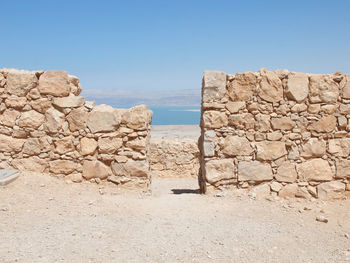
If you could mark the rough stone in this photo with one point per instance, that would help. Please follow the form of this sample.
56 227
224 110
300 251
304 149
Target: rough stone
138 117
55 83
213 85
283 123
131 169
343 168
20 82
217 170
64 145
41 105
339 147
31 119
235 106
345 87
331 190
62 166
95 169
286 172
9 144
242 121
262 123
31 164
315 170
71 101
254 171
53 120
323 89
77 119
103 118
110 144
325 124
297 87
15 102
35 146
270 150
88 146
271 88
314 148
209 143
235 145
243 87
214 119
8 117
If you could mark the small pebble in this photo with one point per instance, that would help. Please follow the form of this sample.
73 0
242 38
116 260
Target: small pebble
321 218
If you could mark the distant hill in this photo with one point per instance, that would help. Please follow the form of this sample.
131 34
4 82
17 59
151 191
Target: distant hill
151 98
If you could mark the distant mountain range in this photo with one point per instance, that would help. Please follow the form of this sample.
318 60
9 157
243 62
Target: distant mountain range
151 98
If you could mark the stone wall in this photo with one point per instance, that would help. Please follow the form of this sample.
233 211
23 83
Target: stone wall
174 158
276 133
46 127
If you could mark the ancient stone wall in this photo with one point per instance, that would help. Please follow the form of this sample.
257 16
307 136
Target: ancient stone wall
174 158
46 127
276 132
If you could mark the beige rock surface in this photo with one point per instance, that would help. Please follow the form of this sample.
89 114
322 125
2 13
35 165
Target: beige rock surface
315 170
55 83
254 171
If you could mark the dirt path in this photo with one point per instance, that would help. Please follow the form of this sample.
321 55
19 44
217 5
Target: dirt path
43 219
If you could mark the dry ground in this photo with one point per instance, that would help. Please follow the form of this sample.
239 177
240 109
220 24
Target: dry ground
44 219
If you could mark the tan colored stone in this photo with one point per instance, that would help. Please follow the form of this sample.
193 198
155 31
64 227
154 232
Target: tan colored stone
243 87
339 147
131 169
283 123
274 136
62 166
20 82
314 148
242 121
75 178
286 172
77 119
71 101
103 118
289 190
95 169
88 146
331 190
235 106
137 144
53 120
32 164
297 108
213 85
64 145
270 150
343 168
15 102
325 124
345 86
209 143
314 108
138 118
297 87
217 170
254 171
31 119
262 123
271 88
35 146
275 186
9 144
235 145
55 83
329 109
41 105
315 170
74 85
109 144
344 109
34 94
214 119
260 192
323 89
8 117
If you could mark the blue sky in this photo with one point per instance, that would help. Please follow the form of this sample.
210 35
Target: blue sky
166 45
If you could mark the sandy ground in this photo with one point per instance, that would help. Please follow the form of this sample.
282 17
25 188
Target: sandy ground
45 219
175 131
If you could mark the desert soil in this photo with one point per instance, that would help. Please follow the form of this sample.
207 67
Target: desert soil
45 219
175 131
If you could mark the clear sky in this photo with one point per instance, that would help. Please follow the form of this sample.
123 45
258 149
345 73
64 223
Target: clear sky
166 45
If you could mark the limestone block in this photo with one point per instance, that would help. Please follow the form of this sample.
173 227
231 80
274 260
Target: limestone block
243 87
209 143
314 108
323 89
131 168
103 118
32 164
137 118
64 145
55 83
271 88
9 144
283 123
109 144
314 148
289 190
325 124
214 119
262 123
20 82
213 86
41 105
217 170
71 101
297 108
331 190
274 136
35 146
260 192
254 171
8 117
235 106
286 172
95 169
270 150
62 166
345 86
297 87
339 147
31 119
235 145
137 144
343 168
242 121
88 146
74 85
315 170
15 102
53 120
77 119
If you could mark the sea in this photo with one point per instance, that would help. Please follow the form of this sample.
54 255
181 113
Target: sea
173 115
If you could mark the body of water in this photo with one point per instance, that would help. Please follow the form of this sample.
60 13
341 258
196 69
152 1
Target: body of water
175 115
